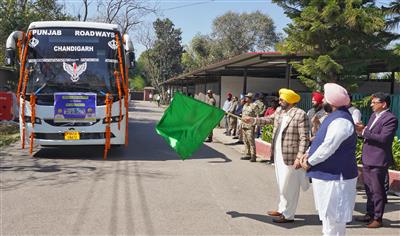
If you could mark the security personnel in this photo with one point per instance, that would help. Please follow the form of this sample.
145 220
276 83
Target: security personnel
211 101
249 109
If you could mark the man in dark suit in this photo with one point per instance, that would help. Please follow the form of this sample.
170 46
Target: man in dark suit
377 156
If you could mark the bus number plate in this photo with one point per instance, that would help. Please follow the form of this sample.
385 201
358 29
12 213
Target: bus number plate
71 135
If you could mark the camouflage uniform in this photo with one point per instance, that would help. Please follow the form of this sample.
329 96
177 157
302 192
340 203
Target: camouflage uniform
248 130
260 108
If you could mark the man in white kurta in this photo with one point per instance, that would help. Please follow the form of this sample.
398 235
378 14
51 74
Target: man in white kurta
290 142
331 164
289 179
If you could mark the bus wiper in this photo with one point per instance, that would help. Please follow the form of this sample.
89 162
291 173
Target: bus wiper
40 88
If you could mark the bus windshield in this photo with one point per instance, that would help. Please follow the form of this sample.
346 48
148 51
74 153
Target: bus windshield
72 60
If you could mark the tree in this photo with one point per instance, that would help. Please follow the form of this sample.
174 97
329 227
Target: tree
340 37
17 15
232 34
125 13
167 52
198 53
393 15
137 77
245 32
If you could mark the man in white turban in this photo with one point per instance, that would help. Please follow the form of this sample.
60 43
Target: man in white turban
290 142
331 163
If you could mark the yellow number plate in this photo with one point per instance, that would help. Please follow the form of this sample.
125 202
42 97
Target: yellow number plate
71 135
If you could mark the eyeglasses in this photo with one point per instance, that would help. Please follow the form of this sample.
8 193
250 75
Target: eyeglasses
375 102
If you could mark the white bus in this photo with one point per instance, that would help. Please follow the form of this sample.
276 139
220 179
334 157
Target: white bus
73 85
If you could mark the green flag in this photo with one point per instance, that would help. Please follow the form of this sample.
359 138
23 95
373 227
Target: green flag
186 123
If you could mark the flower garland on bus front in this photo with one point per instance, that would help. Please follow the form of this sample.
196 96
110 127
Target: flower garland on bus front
117 81
126 102
107 146
23 60
33 117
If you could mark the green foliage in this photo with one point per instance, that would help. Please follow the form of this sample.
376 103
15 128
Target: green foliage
167 51
199 53
359 150
392 13
340 36
137 83
240 33
232 34
395 151
9 133
266 133
362 103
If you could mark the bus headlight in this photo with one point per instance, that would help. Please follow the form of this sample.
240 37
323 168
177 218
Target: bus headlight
114 119
37 120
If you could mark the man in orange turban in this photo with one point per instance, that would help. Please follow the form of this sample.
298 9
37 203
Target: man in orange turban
291 140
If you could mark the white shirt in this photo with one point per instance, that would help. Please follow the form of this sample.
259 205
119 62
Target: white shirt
377 116
227 105
355 114
338 131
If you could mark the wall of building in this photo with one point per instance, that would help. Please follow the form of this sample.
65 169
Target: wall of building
234 84
371 87
201 90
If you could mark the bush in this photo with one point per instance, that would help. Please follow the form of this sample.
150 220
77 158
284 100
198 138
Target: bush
9 133
266 134
395 150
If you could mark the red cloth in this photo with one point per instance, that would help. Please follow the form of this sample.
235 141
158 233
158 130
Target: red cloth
269 111
318 97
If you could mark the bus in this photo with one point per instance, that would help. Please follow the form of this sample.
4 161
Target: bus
73 83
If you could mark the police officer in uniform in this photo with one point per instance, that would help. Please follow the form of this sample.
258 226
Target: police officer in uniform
211 101
249 109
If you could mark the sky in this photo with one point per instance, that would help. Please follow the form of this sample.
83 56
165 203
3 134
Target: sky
196 16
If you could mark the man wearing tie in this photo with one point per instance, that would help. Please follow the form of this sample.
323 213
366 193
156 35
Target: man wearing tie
377 156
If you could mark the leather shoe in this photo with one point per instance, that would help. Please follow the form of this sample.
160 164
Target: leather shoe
282 219
274 213
364 218
245 158
252 160
374 224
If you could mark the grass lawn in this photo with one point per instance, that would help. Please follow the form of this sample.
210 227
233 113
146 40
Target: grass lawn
9 133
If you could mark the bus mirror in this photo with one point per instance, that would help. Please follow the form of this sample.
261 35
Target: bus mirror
10 57
130 59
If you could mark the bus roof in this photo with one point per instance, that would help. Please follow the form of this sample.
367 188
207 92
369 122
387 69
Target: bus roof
73 24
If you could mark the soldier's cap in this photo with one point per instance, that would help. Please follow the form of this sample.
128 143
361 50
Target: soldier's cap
249 95
209 91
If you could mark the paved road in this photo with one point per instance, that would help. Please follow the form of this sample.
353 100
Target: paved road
147 189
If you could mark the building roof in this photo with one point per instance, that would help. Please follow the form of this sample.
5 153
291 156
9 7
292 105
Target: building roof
257 64
74 24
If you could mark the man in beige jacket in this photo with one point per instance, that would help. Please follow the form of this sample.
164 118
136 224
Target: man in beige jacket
290 142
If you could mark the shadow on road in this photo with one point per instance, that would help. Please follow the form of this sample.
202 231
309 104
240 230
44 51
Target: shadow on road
300 220
144 145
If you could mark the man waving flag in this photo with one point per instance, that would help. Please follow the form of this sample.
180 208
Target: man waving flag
186 124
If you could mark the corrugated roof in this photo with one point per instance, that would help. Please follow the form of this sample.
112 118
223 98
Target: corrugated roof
264 64
253 62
